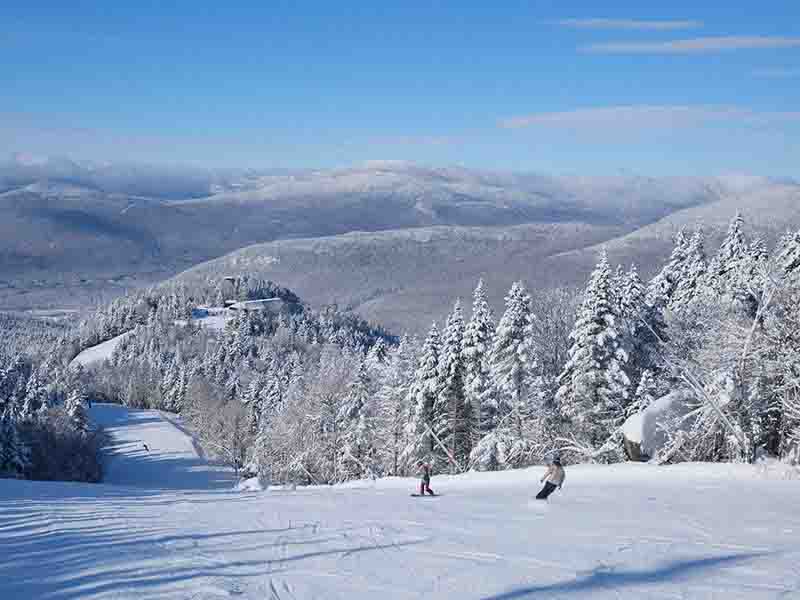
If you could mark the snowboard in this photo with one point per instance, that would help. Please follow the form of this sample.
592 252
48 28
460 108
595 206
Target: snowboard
424 495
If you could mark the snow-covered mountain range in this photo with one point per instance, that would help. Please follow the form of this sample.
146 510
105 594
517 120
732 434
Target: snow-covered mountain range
72 231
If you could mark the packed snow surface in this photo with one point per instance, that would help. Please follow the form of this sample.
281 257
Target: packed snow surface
169 525
99 353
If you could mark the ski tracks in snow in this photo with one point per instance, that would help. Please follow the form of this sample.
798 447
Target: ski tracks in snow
173 529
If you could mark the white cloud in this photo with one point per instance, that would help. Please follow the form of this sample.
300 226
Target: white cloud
694 45
634 24
647 117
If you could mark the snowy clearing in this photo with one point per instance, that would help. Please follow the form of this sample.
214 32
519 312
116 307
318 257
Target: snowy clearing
168 525
100 352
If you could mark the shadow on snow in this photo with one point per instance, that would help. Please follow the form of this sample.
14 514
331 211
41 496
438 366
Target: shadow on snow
610 578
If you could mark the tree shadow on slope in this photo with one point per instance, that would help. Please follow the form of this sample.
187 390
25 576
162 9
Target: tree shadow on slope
168 471
116 415
56 556
605 578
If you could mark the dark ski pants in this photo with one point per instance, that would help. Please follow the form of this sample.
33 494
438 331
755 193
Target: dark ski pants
425 485
548 489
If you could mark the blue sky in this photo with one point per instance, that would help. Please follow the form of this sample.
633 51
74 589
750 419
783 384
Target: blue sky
559 87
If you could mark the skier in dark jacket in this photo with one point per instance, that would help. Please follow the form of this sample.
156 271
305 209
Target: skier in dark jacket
425 482
553 478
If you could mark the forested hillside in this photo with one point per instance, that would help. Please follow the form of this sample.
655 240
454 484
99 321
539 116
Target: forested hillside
317 395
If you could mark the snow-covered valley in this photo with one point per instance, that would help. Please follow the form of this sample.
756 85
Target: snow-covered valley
167 524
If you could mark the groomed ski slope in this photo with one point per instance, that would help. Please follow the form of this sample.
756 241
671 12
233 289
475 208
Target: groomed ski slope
99 353
168 525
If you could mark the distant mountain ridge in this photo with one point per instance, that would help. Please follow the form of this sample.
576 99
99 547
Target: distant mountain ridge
407 278
71 230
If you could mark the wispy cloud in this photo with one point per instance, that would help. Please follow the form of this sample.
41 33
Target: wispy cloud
630 24
777 73
647 117
694 45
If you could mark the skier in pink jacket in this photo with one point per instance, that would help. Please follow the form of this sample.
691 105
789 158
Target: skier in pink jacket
425 482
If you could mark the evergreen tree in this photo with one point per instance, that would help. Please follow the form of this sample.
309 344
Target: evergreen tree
640 327
422 396
727 266
618 283
233 386
271 395
181 389
76 409
663 285
478 343
169 387
36 400
392 407
594 385
693 273
359 451
295 389
378 355
789 253
510 361
452 414
646 393
357 394
241 337
14 454
632 298
750 278
252 400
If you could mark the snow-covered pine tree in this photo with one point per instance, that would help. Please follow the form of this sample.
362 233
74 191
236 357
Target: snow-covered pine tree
662 287
507 442
510 363
594 388
169 384
693 273
378 355
631 299
36 400
76 409
452 414
14 454
646 393
252 400
296 380
358 448
357 393
241 337
392 410
421 397
725 269
233 386
640 326
181 388
478 343
789 253
618 283
12 387
271 395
